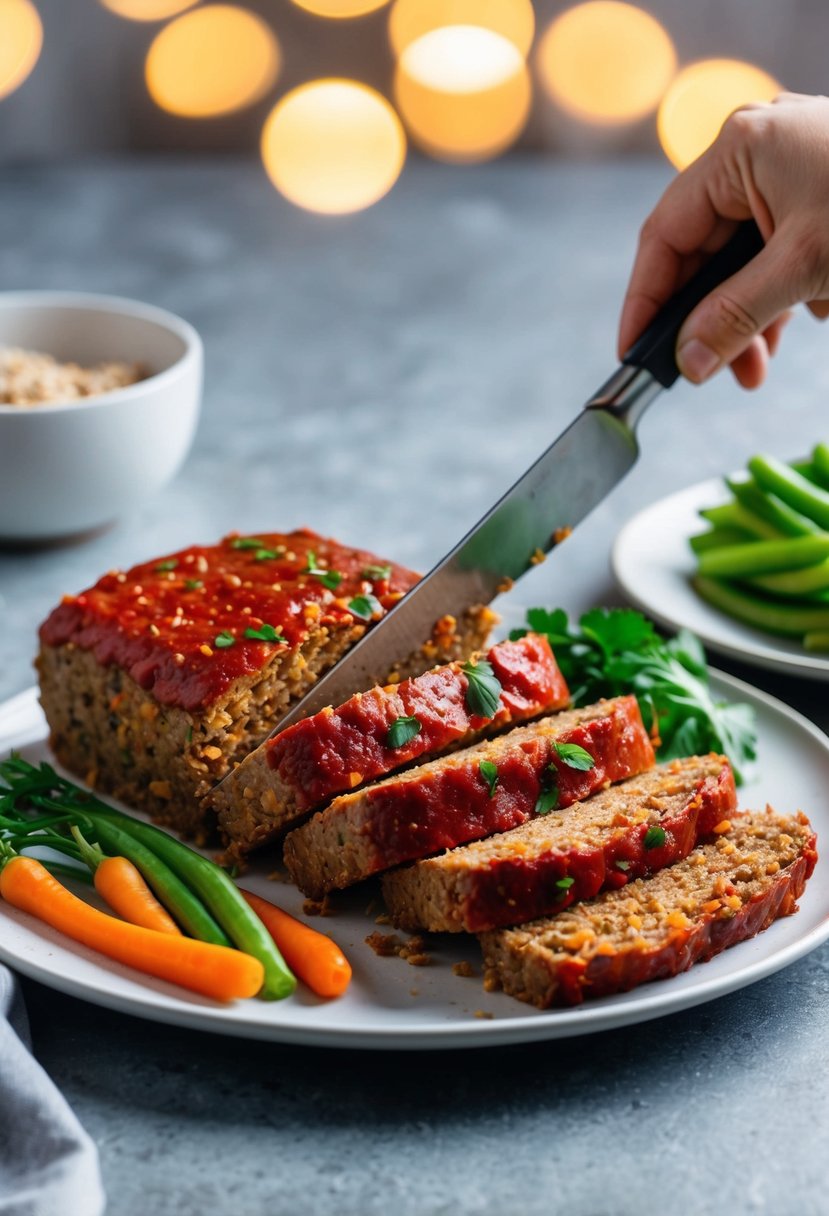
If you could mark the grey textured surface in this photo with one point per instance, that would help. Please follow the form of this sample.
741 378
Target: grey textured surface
383 378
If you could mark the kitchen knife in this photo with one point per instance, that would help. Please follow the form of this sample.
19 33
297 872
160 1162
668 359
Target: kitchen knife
572 476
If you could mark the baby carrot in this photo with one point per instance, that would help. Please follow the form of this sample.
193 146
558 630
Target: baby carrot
315 958
213 971
121 884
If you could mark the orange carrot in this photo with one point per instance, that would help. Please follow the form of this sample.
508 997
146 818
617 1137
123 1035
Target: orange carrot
314 957
120 883
213 971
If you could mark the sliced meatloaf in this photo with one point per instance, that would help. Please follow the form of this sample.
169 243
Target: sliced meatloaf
378 732
469 794
158 679
618 835
725 891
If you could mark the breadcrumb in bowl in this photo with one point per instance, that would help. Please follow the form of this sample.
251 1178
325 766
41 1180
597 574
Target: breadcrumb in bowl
69 466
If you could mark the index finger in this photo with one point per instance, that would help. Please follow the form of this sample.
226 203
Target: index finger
683 227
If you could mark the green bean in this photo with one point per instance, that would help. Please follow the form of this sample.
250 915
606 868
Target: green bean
810 500
795 582
817 639
764 556
790 619
716 538
820 464
771 508
735 515
220 894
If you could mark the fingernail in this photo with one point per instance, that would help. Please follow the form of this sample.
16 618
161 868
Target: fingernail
697 361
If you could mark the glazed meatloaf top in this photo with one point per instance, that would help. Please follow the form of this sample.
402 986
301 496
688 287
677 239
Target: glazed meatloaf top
620 834
469 794
726 890
386 728
188 625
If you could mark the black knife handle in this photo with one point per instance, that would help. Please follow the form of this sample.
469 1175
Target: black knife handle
655 349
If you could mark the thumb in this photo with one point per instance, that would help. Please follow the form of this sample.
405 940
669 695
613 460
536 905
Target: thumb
724 324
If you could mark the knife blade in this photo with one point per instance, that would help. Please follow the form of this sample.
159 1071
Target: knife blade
568 480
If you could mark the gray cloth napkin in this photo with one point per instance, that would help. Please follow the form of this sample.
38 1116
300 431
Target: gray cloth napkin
48 1164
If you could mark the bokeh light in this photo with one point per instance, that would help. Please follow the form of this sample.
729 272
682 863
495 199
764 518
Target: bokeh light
147 10
21 37
606 62
464 93
333 146
340 8
701 98
212 61
512 19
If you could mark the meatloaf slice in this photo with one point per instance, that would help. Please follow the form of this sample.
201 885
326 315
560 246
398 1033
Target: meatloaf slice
618 835
157 680
341 749
725 891
469 794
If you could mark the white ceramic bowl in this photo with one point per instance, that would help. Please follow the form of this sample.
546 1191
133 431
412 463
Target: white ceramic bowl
69 468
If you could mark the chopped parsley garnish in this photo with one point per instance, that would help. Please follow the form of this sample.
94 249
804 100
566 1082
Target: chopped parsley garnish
654 837
489 772
170 564
564 884
547 799
611 652
246 542
193 584
365 606
402 731
377 574
329 578
265 555
267 633
224 639
483 689
574 756
622 865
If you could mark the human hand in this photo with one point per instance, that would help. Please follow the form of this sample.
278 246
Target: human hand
770 162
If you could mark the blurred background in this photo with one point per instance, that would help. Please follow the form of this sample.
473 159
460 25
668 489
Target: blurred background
334 94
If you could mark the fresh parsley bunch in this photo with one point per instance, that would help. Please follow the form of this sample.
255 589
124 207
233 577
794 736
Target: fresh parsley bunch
615 651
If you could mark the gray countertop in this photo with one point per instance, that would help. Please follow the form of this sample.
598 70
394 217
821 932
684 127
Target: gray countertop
382 378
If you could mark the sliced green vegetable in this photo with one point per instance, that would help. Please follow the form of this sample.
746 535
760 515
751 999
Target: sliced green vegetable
794 582
765 556
735 515
715 538
816 640
773 616
810 500
771 508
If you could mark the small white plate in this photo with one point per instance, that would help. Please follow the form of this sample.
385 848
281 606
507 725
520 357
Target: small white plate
393 1005
652 563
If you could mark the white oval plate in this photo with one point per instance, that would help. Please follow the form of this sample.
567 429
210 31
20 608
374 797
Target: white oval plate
393 1005
652 563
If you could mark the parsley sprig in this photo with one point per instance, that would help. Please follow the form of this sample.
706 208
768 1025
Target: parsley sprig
329 578
402 731
483 689
614 651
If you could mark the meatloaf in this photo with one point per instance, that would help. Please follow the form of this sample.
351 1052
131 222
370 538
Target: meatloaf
158 679
725 891
378 732
548 863
490 787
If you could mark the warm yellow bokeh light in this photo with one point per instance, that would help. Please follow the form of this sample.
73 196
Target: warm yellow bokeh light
21 37
333 146
512 19
212 61
461 59
464 93
606 62
147 10
701 98
340 8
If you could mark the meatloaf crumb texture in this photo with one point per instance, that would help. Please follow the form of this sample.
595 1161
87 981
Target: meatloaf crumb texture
341 749
157 680
725 891
449 801
548 863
